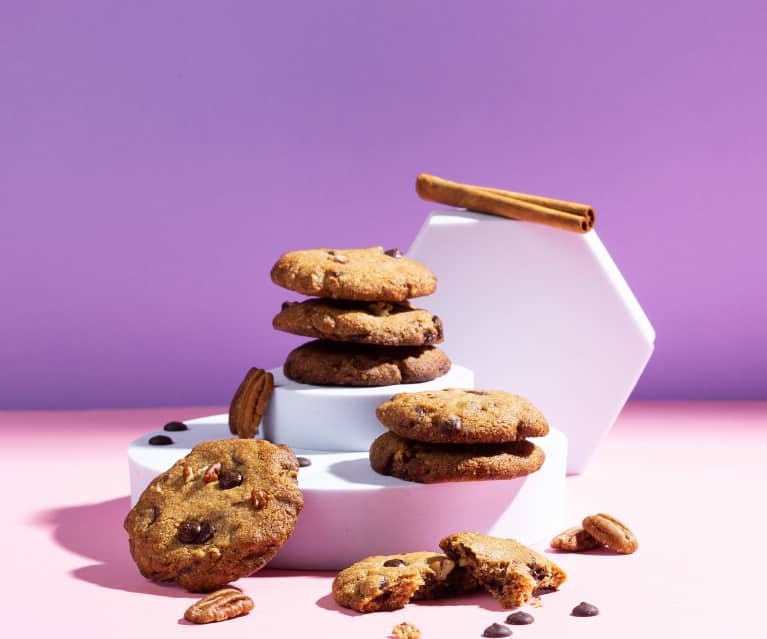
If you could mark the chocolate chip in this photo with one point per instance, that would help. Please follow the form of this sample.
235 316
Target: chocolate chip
229 479
395 253
160 440
496 630
175 426
477 392
303 462
585 609
520 618
207 530
538 572
394 563
188 531
452 424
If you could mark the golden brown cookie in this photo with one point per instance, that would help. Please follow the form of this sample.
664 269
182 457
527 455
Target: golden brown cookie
216 515
383 323
457 416
510 571
344 364
249 402
389 582
369 274
611 532
410 460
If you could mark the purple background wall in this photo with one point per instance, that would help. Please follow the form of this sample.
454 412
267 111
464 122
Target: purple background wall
156 158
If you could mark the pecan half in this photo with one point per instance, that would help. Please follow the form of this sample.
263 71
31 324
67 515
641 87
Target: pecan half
612 533
220 605
249 403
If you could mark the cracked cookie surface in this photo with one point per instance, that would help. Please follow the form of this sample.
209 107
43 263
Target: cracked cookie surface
368 274
410 460
459 416
389 582
324 362
509 570
383 323
216 515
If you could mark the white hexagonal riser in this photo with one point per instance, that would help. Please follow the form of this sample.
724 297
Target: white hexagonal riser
539 312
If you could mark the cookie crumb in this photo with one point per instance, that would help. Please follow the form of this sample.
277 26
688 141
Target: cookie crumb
405 630
536 602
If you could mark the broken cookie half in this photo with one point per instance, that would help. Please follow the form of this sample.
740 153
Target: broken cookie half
509 570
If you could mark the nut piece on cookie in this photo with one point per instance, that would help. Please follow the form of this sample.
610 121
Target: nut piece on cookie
381 323
457 416
220 605
249 402
410 460
611 532
389 582
510 571
369 274
202 529
574 539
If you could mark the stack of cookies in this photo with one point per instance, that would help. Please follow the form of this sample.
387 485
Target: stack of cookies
366 331
458 435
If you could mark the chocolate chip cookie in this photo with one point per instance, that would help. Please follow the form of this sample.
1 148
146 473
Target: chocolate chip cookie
389 582
369 274
510 571
323 362
216 515
462 416
383 323
410 460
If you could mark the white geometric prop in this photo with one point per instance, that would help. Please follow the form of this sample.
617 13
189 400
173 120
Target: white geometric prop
350 511
539 312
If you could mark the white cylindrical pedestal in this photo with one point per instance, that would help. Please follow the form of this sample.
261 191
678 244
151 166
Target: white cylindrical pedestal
351 512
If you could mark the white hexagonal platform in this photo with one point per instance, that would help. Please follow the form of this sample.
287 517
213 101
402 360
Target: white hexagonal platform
539 312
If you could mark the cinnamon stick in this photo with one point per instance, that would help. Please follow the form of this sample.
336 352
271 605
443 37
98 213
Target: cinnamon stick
570 216
584 210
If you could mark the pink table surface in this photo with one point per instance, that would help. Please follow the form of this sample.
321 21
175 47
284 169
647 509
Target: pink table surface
688 477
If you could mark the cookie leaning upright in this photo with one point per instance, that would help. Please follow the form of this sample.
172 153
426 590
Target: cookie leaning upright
216 515
369 274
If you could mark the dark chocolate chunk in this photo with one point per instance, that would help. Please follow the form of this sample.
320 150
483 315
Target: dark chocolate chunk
394 563
497 630
229 479
585 609
303 462
520 618
188 531
160 440
207 530
175 426
395 252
